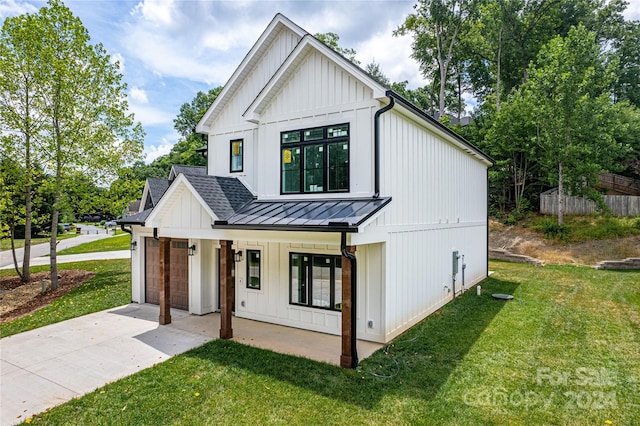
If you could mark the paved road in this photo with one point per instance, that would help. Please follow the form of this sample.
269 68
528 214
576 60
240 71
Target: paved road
89 233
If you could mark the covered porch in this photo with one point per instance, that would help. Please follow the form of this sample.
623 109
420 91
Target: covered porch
286 340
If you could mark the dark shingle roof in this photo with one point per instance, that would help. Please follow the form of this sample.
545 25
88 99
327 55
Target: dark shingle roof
157 188
176 169
305 215
223 195
136 219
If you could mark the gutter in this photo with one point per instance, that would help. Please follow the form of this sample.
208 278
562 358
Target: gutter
376 142
354 284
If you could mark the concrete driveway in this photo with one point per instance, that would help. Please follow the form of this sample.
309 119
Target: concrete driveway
48 366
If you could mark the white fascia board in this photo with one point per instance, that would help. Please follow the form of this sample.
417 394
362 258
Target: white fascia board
277 23
308 42
168 194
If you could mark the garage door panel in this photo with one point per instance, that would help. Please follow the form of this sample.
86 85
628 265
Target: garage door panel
178 276
152 275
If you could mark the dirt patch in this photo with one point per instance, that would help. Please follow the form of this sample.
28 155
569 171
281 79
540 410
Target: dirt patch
519 240
18 299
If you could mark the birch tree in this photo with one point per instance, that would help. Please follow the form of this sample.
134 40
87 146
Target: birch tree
21 118
436 27
89 129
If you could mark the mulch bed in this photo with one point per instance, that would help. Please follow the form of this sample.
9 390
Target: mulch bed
19 299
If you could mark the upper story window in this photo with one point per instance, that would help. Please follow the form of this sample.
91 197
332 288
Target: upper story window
315 160
236 155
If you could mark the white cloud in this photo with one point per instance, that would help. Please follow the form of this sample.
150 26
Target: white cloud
150 116
13 8
154 151
139 95
393 56
632 12
116 57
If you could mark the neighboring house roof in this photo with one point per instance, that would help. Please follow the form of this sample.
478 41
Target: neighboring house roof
134 207
305 215
136 219
176 169
224 195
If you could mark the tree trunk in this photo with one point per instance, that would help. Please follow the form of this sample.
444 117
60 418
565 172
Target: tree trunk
12 230
498 70
560 195
443 82
26 259
53 245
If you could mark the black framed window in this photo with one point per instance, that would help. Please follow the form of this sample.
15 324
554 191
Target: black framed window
253 269
315 281
315 160
236 148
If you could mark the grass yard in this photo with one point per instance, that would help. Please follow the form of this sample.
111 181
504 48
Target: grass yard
110 287
117 242
566 351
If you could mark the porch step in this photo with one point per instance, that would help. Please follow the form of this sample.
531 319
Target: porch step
501 254
629 263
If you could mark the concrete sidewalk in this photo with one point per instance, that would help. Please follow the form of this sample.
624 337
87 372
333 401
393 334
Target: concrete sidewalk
41 250
68 258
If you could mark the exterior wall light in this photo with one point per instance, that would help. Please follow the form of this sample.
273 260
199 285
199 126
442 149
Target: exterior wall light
134 245
192 250
237 257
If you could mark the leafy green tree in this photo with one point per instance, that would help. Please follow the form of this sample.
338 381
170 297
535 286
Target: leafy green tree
331 40
436 27
627 85
21 102
575 120
89 128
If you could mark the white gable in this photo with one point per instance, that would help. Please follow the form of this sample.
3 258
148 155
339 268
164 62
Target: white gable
181 207
266 56
312 78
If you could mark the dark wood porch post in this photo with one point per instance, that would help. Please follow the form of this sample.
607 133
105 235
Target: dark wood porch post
226 289
165 286
346 359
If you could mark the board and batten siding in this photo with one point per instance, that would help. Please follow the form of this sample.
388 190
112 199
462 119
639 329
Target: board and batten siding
319 93
271 302
439 205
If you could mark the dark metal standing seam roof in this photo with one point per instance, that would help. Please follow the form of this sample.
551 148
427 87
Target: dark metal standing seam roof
304 215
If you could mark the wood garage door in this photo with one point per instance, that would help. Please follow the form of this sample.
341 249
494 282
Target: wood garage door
179 276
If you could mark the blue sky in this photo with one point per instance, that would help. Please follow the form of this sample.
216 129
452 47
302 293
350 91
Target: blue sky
171 49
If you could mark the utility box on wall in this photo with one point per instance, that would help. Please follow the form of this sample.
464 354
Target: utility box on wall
455 258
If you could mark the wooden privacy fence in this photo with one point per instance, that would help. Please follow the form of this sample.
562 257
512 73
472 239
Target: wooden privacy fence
620 205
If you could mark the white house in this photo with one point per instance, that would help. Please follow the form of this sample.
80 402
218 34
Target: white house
329 203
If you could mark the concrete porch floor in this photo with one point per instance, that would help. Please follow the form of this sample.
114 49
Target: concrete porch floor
286 340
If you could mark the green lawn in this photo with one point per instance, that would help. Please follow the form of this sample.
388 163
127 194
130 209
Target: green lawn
110 287
117 242
565 351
